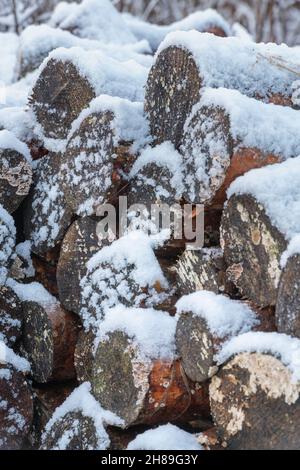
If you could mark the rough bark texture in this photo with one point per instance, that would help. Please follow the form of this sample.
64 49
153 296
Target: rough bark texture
79 245
15 179
255 404
140 391
16 410
11 316
58 96
166 104
49 339
288 299
252 249
83 357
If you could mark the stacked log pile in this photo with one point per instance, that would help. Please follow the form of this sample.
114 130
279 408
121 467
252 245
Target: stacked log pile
104 338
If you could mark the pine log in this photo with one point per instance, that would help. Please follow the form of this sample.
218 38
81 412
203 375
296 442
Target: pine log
255 404
142 391
49 339
46 215
16 410
80 243
288 299
252 248
15 179
11 316
184 65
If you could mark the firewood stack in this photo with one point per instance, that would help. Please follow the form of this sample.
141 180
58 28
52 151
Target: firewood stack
102 339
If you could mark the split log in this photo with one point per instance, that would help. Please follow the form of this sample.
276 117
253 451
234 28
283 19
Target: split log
11 316
71 79
15 178
184 65
80 243
288 299
16 410
217 147
49 339
151 392
255 404
205 322
46 215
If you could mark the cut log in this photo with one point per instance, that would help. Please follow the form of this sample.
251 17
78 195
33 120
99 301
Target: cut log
184 64
252 248
220 141
205 322
7 239
46 215
70 79
151 392
45 270
288 299
21 267
15 178
16 410
11 316
84 356
255 404
49 339
80 243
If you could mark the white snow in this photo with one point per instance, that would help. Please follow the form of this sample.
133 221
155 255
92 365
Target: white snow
224 317
83 401
32 292
155 34
24 251
9 141
284 347
165 437
238 64
153 330
277 188
292 249
8 356
9 45
165 156
7 236
17 120
93 19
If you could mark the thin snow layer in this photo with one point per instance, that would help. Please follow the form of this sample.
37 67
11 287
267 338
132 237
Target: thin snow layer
93 19
277 188
152 330
105 74
166 156
127 271
268 127
234 63
32 292
284 347
9 44
8 356
292 249
129 123
8 141
83 401
166 437
7 236
224 317
16 120
155 34
16 95
23 250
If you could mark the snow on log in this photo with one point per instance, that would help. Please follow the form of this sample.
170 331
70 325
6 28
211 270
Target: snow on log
11 316
255 396
135 373
188 61
127 272
7 241
15 171
69 79
46 215
205 322
16 410
22 265
99 152
79 423
226 135
49 333
259 219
